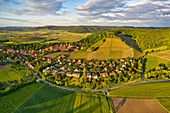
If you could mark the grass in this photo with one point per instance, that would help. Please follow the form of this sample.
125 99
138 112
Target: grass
9 75
113 48
44 99
79 54
11 102
163 54
53 55
152 90
153 61
97 44
165 102
157 49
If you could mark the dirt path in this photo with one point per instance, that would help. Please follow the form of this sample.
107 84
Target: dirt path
163 54
129 105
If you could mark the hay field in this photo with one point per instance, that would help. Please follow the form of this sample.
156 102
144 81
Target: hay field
129 105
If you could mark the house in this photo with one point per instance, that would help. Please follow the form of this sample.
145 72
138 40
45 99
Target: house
69 74
49 61
76 70
54 71
89 75
94 76
45 70
76 75
31 66
62 68
104 74
112 73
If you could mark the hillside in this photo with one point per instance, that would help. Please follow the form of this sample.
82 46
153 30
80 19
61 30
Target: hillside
113 48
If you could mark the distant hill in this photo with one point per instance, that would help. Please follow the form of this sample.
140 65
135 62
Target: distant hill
6 29
82 29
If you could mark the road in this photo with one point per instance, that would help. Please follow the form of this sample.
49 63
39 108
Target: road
105 89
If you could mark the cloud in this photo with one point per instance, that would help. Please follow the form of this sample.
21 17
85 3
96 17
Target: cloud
12 19
38 7
121 12
8 1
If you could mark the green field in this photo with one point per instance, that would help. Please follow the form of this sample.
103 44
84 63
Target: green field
79 54
97 44
9 75
11 102
153 90
43 98
53 55
165 102
153 61
113 48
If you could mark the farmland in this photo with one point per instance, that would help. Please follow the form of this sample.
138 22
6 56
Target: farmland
112 48
153 61
153 90
3 67
41 36
130 105
9 75
79 54
163 55
43 98
165 102
53 55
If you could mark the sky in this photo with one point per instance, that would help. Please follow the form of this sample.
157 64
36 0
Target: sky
138 13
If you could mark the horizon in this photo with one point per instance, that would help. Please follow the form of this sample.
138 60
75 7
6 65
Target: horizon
34 13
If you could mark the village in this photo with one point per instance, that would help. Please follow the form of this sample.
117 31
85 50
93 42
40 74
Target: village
62 69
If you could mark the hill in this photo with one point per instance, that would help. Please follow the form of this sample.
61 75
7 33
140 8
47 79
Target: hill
112 48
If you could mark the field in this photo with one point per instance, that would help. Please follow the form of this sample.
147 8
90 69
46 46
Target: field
12 101
164 102
43 98
153 61
97 44
9 74
156 49
79 54
53 55
151 91
49 35
163 55
129 105
112 48
3 67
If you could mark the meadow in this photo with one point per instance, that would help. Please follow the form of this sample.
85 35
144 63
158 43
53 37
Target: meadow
150 91
53 55
9 75
79 54
153 61
42 98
